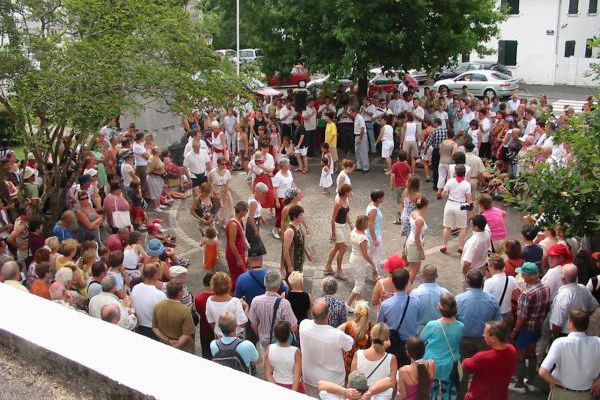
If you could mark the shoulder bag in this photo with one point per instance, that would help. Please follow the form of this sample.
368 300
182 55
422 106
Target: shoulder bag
459 367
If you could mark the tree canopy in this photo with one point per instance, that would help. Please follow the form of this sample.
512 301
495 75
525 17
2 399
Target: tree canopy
67 66
347 37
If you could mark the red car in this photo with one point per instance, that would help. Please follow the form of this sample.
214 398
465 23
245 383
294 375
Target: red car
389 84
298 76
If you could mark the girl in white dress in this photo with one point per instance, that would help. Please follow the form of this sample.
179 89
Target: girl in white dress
327 171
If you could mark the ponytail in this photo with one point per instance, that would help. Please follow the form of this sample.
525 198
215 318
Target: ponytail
423 381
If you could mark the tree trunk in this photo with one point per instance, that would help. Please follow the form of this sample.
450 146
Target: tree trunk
363 87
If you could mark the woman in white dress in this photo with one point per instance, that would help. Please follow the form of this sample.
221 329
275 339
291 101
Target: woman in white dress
376 363
386 138
360 260
219 179
415 252
283 362
344 175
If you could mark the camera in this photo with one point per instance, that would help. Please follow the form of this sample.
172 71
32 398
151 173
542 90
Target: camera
467 207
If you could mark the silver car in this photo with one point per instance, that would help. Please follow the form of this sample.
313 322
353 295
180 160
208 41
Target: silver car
481 83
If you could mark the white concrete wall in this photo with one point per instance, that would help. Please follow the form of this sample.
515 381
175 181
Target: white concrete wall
150 367
540 56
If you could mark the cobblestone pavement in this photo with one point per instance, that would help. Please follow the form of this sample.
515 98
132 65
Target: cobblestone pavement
318 209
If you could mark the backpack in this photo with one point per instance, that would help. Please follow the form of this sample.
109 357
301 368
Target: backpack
229 357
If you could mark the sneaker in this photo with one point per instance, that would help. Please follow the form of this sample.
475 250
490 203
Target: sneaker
162 206
387 172
428 180
398 221
529 385
275 233
517 389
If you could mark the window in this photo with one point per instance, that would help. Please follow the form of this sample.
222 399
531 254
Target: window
507 52
588 48
464 77
479 78
501 77
511 5
569 48
573 6
593 7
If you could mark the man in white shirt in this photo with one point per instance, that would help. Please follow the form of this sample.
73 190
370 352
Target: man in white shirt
485 125
198 137
531 122
569 296
197 162
144 296
310 125
395 104
477 246
230 122
571 366
286 118
12 276
141 157
323 350
558 255
369 113
127 318
513 103
361 146
501 287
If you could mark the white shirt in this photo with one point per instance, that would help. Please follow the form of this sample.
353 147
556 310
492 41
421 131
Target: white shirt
286 115
323 108
420 112
495 286
371 109
323 350
395 106
443 116
196 162
282 360
476 249
530 128
407 105
282 183
216 308
569 296
512 105
343 115
468 116
310 118
576 359
359 124
457 192
126 171
552 279
410 134
143 299
188 146
127 320
138 151
487 126
230 121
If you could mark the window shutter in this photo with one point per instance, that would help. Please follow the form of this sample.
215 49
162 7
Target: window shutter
569 48
593 7
573 6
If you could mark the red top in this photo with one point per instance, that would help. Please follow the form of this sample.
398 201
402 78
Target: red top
200 301
492 372
401 171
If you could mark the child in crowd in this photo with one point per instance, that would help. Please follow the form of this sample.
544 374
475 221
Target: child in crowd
399 177
327 169
138 216
210 243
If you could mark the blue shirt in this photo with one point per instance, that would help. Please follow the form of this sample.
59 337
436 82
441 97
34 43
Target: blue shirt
429 297
475 308
391 312
437 349
251 284
245 349
63 233
376 223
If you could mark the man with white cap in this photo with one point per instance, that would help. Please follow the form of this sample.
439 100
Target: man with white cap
179 274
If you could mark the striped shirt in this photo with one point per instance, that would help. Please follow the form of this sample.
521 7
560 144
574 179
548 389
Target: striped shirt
261 314
437 137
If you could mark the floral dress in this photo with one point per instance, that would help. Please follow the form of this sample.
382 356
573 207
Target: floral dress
408 208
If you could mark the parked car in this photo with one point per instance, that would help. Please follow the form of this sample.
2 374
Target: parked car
420 75
387 83
228 54
320 81
471 66
249 55
481 83
298 76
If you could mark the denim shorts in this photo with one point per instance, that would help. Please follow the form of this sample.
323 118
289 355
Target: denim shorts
526 337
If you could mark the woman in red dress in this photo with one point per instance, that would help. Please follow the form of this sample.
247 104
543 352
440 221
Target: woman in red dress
235 250
263 165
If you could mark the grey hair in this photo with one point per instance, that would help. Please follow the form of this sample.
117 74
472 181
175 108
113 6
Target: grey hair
227 323
64 275
272 280
108 283
284 161
329 286
261 187
9 270
110 312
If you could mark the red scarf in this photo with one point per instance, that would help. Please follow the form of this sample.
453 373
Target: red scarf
459 179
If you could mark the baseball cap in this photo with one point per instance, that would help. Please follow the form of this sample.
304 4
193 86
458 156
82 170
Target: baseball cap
560 249
154 226
528 268
393 263
596 255
177 270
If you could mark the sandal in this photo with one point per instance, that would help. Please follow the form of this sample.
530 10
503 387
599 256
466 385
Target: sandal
342 277
444 250
328 272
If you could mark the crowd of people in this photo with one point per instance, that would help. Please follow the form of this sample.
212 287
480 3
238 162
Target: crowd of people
526 302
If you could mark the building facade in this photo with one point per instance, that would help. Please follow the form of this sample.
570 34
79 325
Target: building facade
547 41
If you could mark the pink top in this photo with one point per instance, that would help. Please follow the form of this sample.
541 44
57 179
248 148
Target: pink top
495 220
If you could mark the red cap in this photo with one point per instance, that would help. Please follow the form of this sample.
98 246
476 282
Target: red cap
393 263
596 255
560 249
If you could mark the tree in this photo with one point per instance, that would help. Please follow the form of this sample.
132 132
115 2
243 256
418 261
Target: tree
347 37
568 195
67 66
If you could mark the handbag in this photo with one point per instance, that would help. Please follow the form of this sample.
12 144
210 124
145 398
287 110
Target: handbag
459 367
120 219
397 345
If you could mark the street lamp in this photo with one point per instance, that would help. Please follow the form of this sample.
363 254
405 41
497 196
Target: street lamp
237 35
